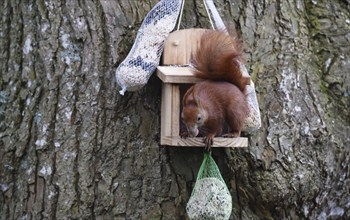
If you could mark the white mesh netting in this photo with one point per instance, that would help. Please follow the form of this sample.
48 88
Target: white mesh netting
143 58
252 122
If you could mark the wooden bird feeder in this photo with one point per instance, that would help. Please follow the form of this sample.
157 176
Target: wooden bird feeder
177 76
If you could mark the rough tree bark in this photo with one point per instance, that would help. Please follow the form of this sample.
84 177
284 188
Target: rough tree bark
72 148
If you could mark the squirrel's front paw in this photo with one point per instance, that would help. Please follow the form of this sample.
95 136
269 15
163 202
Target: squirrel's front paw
208 140
184 134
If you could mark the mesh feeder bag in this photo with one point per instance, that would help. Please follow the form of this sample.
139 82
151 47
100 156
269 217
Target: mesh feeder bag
133 73
252 122
210 198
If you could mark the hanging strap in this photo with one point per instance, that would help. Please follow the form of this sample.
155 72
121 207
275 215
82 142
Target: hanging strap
180 16
219 24
209 7
208 13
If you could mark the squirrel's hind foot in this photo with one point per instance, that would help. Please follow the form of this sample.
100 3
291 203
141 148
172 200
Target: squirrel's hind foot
235 134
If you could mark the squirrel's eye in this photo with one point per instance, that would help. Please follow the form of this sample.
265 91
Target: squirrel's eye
199 118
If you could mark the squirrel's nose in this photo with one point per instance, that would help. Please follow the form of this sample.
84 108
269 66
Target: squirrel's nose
193 131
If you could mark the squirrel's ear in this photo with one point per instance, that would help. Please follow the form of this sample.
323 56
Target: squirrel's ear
185 98
198 101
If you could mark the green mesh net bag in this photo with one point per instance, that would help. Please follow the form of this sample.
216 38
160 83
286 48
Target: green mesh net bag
210 198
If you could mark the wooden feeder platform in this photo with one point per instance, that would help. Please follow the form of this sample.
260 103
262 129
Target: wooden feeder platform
175 76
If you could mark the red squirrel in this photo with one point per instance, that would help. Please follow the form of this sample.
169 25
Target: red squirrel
218 100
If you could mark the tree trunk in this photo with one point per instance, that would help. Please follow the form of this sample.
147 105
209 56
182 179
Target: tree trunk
72 148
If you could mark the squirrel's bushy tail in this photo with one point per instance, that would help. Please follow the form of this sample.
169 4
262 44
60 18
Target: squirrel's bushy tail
218 57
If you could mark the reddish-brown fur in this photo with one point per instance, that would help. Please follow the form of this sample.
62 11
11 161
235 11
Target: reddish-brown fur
218 100
218 58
